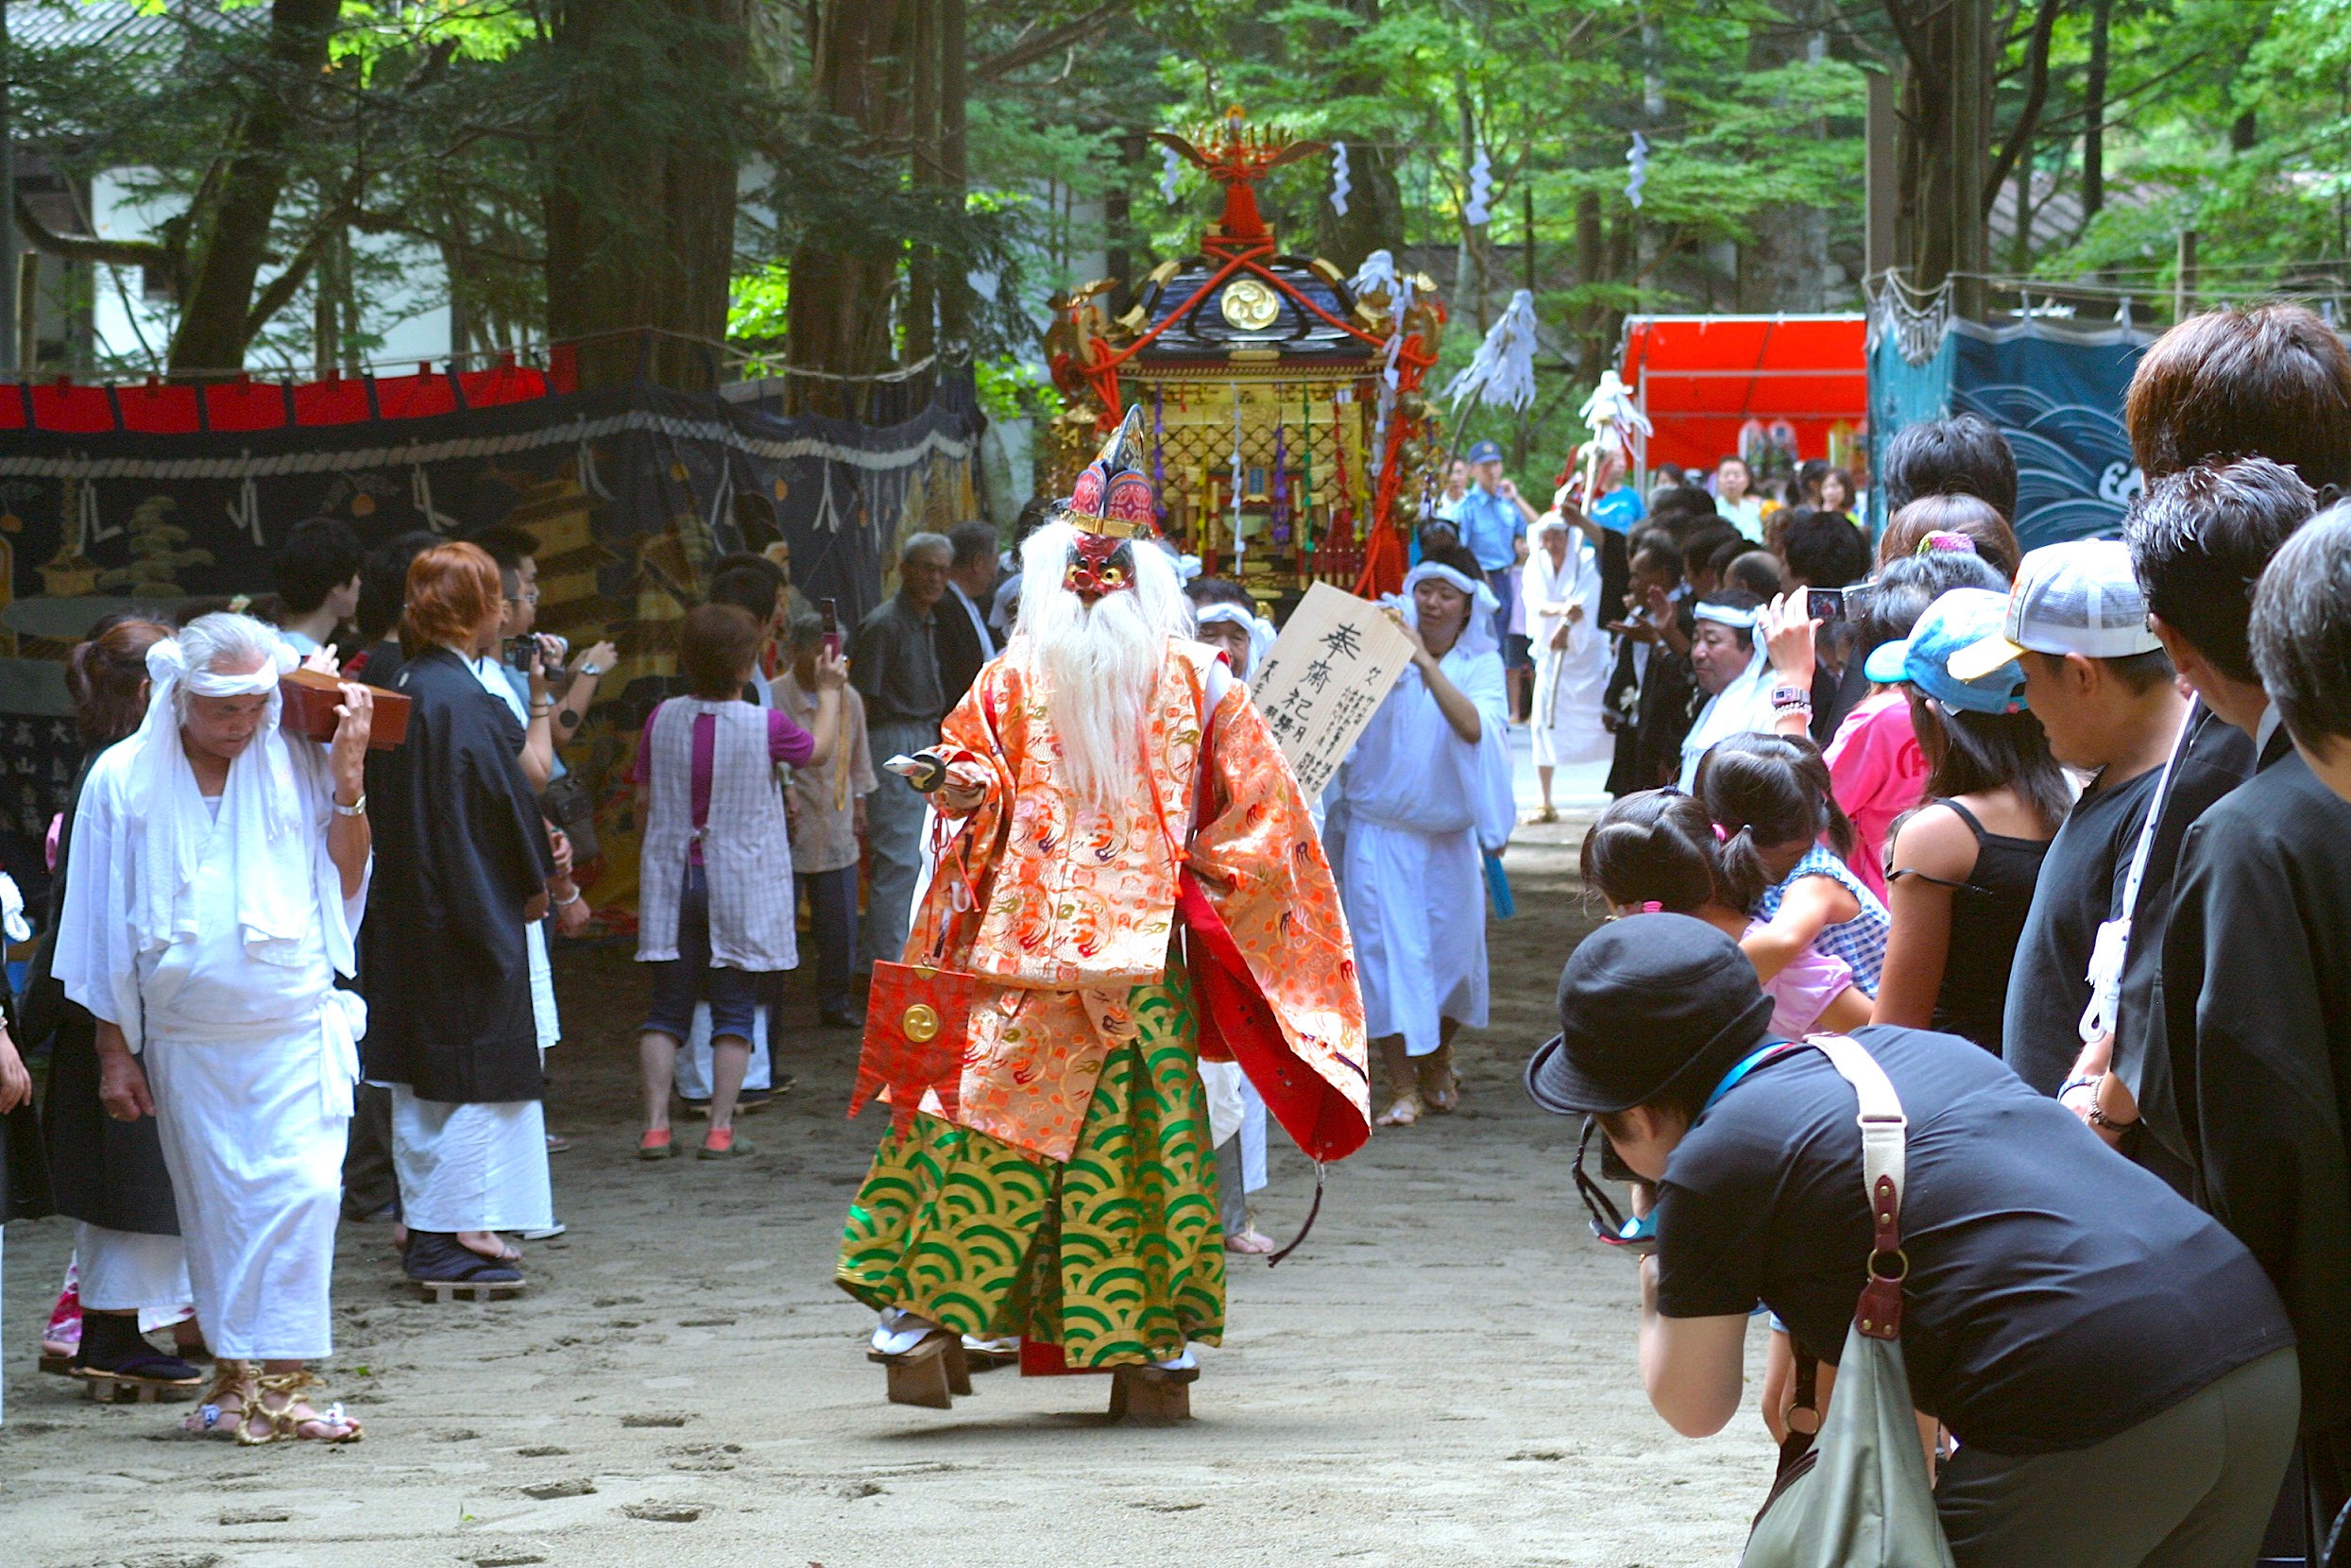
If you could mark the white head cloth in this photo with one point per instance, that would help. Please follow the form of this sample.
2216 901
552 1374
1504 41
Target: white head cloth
1726 615
1478 636
1260 633
277 853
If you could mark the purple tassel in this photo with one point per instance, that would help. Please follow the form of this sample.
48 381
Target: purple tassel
1159 468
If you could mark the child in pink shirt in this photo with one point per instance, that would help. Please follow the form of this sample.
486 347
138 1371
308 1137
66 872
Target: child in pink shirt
1877 772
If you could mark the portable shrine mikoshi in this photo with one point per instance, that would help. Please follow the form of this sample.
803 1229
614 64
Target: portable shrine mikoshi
1288 439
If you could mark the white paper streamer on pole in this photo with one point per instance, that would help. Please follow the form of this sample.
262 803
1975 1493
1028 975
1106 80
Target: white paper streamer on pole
1172 163
1611 411
1612 417
1638 159
1503 374
1481 186
1378 274
1338 178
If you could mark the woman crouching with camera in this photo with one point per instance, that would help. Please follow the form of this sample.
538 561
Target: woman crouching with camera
2114 1367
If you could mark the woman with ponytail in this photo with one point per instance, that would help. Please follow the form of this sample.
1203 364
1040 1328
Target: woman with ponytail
1784 840
1655 852
1964 866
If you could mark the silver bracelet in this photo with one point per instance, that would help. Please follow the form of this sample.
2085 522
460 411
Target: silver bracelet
576 896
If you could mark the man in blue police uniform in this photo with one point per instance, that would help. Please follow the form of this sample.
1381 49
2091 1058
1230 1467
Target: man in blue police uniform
1491 519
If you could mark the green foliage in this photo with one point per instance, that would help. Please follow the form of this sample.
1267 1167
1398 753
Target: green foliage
2230 117
1015 388
442 128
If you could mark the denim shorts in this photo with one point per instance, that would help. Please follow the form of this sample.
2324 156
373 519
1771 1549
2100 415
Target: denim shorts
678 984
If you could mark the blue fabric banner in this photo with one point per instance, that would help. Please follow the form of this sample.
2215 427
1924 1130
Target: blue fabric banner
2056 394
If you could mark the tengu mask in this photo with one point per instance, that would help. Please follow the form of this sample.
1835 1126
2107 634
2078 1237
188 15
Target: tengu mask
1099 565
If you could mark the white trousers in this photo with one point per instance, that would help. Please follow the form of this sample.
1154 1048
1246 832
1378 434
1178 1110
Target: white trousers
256 1164
131 1271
1417 905
470 1168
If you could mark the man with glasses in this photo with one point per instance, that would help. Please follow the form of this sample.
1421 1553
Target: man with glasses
895 666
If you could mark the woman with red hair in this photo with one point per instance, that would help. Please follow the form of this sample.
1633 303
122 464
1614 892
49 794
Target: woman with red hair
462 866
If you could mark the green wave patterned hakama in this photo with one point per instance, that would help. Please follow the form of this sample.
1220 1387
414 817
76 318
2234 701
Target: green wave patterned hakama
1117 1257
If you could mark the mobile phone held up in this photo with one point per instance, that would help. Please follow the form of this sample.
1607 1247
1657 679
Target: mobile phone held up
1824 603
828 611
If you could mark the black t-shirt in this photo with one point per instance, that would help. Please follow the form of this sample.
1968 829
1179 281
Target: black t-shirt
2057 1295
2080 889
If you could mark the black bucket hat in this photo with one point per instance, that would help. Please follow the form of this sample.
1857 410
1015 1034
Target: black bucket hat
1647 1004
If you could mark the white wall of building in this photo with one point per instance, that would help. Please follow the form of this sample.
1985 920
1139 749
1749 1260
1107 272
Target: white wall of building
412 318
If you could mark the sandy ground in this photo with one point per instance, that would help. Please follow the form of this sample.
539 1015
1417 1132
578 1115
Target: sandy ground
1443 1375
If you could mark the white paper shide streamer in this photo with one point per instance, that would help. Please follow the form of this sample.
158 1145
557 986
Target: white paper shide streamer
1378 274
1339 187
1611 413
1503 374
1639 160
1481 186
1171 165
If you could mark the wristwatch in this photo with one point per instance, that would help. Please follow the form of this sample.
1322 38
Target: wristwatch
356 808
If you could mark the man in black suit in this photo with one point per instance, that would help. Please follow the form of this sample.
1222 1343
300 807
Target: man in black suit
964 641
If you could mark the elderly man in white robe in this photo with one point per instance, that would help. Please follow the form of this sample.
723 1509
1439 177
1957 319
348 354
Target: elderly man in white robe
1425 796
1734 669
220 868
1560 589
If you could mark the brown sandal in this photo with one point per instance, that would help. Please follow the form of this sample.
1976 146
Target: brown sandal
929 1372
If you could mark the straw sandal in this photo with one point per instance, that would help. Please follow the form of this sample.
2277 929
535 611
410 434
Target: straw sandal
1406 1108
214 1415
1439 1085
286 1423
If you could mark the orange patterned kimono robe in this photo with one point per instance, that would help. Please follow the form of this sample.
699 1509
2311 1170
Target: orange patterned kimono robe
1079 906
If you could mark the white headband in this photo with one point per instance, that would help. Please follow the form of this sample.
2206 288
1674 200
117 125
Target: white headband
1228 614
1477 591
1726 615
166 665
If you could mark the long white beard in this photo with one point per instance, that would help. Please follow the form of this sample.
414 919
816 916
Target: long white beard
1099 662
1099 666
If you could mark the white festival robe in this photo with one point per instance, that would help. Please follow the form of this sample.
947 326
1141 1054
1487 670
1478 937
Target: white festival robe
251 1061
1570 683
132 1272
1420 804
1739 709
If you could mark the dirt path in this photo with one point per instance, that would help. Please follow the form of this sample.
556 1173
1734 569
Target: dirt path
1443 1375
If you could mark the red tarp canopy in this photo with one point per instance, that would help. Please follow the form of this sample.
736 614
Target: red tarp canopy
1702 377
244 404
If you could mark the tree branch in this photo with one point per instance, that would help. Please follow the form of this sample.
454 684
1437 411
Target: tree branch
2029 117
90 247
1913 43
279 291
1049 41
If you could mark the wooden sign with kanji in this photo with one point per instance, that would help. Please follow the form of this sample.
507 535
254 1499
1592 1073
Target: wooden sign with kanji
1324 678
